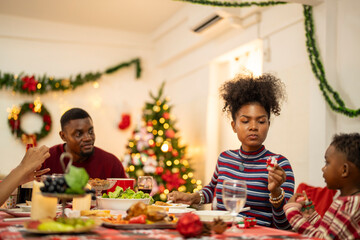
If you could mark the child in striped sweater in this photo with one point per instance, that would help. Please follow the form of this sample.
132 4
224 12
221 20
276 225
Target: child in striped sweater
341 171
250 101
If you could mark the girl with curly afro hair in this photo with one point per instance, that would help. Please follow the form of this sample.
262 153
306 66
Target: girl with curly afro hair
250 101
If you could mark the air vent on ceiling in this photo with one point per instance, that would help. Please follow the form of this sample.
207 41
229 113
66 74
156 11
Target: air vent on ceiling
213 19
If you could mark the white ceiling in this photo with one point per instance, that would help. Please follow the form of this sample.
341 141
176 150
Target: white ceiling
140 16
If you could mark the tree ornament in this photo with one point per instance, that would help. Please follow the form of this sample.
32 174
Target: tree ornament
140 172
189 225
175 153
170 133
159 170
125 121
161 188
166 115
173 180
150 165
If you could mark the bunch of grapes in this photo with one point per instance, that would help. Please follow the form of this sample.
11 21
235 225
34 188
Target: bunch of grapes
54 185
58 185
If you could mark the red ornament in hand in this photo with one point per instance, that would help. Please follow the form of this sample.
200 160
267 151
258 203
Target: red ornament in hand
189 225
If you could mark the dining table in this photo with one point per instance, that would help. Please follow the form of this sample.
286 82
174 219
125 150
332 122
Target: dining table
13 228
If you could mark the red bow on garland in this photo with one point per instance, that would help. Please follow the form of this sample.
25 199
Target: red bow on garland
29 83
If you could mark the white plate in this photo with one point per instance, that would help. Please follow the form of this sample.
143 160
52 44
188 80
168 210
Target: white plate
179 211
175 206
78 230
16 212
24 207
140 226
210 215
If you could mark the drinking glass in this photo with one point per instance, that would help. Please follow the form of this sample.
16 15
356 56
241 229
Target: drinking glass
234 197
144 184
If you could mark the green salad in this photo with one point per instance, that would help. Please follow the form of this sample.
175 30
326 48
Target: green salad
119 193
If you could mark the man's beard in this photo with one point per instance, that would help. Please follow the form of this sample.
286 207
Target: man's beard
87 154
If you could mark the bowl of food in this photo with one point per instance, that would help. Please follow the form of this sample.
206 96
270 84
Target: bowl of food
118 204
122 199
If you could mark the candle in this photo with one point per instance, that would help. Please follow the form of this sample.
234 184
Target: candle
42 207
82 203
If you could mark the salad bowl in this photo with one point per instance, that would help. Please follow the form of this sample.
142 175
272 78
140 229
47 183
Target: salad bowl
118 204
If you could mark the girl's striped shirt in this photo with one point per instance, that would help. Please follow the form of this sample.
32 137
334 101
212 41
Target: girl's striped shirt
255 174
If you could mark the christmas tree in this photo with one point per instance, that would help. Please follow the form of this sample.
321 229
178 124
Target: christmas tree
154 150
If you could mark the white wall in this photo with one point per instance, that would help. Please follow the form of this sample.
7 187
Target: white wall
38 47
188 63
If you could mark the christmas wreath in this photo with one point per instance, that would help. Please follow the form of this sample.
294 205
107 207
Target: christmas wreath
14 120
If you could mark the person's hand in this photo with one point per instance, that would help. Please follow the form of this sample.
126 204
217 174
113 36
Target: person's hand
276 178
296 201
186 198
31 163
295 197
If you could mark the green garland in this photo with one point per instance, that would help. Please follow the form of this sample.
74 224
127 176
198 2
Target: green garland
314 56
233 4
336 104
27 84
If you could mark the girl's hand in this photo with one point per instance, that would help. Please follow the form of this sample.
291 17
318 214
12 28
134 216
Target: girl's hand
31 163
276 178
186 198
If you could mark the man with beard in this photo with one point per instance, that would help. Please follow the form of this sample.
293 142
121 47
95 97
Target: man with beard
77 131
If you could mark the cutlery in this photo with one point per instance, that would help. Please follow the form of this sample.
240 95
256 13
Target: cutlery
245 209
16 219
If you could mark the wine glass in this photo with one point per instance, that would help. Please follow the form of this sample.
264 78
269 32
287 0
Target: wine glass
234 197
144 184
